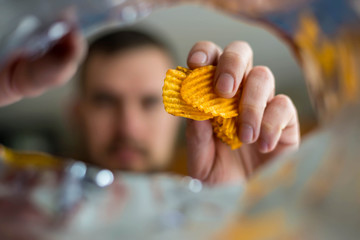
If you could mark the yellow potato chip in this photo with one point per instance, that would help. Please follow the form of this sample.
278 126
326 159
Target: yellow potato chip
189 93
173 102
226 130
29 159
197 90
235 143
184 70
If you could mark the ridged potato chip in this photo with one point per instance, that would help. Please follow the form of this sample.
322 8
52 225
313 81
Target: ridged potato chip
173 102
197 90
184 70
189 93
226 130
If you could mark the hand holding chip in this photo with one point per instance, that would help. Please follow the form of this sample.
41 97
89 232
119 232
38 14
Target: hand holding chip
267 124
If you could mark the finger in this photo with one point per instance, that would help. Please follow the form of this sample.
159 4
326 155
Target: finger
200 147
234 63
203 53
32 77
7 95
280 125
258 90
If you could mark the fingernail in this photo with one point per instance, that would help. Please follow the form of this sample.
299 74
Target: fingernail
246 133
225 83
264 146
198 57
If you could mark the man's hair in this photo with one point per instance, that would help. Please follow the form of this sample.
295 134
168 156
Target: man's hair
111 43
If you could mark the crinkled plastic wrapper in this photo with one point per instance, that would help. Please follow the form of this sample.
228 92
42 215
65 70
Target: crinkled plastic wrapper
312 195
80 201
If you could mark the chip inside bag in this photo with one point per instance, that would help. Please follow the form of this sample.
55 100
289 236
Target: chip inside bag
190 94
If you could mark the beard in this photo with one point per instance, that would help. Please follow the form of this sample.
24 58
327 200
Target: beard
128 154
108 158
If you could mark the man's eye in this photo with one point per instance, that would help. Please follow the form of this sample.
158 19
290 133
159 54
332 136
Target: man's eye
103 100
151 102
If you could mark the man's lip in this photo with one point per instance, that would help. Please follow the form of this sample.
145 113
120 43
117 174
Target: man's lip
126 155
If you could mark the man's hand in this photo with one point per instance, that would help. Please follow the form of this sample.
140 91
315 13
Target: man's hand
268 124
23 77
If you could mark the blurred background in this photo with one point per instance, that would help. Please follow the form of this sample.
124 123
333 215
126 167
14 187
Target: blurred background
42 123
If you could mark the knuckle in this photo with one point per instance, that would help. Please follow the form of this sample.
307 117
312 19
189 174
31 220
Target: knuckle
239 50
269 127
247 47
240 45
283 101
263 72
251 112
233 57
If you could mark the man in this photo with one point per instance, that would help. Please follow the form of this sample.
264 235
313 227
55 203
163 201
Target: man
119 110
112 110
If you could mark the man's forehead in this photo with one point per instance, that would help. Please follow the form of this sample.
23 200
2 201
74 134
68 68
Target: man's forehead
143 68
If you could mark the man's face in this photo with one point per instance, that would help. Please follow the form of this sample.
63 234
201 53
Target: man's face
122 119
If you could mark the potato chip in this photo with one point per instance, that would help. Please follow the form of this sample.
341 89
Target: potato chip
190 93
29 159
184 70
173 102
197 90
226 130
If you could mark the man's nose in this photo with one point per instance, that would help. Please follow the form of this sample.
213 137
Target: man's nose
129 121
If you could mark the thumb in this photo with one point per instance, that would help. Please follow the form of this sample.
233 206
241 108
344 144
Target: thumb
200 148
